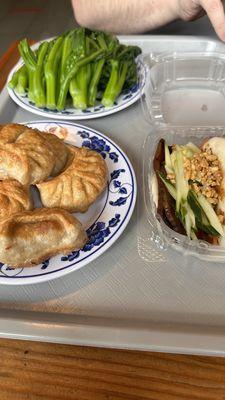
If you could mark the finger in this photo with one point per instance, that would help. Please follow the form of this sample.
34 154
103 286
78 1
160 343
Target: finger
215 12
199 15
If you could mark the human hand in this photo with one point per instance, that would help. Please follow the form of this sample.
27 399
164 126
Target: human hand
189 10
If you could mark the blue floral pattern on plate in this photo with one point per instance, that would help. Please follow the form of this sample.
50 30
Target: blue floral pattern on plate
96 236
97 144
104 223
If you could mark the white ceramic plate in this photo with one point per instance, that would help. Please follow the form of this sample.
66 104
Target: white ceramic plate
126 98
106 218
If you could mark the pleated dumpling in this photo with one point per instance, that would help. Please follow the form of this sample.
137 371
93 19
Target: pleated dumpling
40 157
13 198
79 185
60 150
14 164
28 159
28 155
10 132
29 237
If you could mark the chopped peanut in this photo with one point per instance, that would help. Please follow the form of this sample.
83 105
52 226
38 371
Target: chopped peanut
204 174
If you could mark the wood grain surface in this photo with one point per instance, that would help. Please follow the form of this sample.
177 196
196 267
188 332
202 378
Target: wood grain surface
32 370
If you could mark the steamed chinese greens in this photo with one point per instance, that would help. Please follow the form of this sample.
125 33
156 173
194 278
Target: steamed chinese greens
76 69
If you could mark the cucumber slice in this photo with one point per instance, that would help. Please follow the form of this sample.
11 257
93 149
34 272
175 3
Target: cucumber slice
188 218
168 163
188 153
171 189
222 240
182 187
207 228
202 221
187 224
189 150
194 204
173 157
192 216
211 215
193 147
193 235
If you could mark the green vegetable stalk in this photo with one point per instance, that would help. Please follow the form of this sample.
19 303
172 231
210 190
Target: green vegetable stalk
35 66
22 82
67 49
116 82
93 86
51 71
29 59
100 40
14 80
78 88
121 62
73 66
19 80
38 82
79 84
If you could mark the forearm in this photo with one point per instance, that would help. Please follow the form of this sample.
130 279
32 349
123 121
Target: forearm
124 16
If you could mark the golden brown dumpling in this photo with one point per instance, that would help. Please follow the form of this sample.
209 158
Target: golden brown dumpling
29 237
10 132
28 155
79 185
29 159
41 158
13 198
14 164
60 151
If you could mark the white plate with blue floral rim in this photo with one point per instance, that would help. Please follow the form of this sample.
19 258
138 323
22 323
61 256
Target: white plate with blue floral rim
126 98
105 220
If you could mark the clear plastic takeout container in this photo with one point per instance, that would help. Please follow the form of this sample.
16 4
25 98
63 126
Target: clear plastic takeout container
183 100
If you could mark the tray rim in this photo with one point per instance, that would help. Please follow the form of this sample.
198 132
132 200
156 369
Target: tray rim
112 333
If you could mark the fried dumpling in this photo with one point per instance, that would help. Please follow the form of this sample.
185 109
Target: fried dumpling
10 132
29 237
13 198
29 159
41 158
79 185
60 151
28 155
14 164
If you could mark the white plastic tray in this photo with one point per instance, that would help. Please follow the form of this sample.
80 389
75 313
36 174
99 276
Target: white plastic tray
124 300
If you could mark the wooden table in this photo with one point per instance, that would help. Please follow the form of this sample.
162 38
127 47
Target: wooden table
30 370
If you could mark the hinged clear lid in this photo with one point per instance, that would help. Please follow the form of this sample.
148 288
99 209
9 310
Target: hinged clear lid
183 101
185 89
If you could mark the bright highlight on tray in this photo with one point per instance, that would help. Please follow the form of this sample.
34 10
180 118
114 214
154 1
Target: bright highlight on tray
76 68
191 182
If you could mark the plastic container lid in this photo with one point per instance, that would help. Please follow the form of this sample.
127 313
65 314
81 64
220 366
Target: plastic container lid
184 100
185 89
